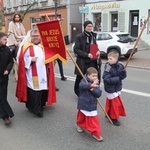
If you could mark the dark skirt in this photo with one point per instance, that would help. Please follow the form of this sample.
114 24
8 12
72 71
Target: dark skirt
36 100
5 109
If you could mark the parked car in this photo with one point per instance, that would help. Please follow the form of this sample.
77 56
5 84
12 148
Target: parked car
119 41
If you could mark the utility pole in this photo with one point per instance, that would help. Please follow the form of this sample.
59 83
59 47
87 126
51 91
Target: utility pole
55 1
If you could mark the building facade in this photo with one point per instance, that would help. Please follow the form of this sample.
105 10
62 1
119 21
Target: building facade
39 12
66 10
119 15
1 16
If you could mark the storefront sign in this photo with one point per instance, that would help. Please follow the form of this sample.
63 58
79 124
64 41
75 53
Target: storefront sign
83 9
108 6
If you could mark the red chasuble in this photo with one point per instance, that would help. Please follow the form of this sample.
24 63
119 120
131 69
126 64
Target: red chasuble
21 89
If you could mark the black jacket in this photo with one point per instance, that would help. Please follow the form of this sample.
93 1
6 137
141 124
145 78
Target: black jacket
6 60
81 49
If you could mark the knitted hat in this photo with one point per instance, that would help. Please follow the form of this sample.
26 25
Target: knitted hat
86 23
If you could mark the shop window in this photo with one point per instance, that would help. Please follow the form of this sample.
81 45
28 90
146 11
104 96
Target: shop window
34 21
114 22
97 22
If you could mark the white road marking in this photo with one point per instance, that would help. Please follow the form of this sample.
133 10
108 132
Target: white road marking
123 90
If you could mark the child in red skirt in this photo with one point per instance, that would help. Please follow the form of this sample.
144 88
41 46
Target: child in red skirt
87 117
113 75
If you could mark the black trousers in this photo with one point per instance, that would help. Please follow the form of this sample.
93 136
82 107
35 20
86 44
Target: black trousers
36 100
96 65
60 67
5 109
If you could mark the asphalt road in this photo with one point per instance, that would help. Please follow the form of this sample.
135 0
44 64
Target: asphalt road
56 130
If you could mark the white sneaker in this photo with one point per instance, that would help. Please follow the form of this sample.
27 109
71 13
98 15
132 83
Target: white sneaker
98 139
79 129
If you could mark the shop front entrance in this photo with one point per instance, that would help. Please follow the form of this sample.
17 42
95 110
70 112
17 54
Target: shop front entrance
75 30
134 23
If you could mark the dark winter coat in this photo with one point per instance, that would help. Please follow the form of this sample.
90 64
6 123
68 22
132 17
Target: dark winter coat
82 49
113 76
6 60
87 99
6 63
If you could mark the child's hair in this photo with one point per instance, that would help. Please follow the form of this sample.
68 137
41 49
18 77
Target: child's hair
114 54
91 70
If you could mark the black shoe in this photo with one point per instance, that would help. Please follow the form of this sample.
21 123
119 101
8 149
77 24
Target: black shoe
57 89
115 122
7 121
40 114
63 78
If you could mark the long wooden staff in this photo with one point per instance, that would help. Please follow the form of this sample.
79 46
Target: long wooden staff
86 81
144 26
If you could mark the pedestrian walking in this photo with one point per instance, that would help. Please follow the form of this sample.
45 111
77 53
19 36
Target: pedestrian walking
113 75
87 117
6 63
36 84
83 50
63 78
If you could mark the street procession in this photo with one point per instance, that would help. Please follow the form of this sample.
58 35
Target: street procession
74 75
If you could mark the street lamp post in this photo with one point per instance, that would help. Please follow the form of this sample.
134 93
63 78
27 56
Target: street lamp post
55 1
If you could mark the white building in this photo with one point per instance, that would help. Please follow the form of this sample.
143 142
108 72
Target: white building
125 15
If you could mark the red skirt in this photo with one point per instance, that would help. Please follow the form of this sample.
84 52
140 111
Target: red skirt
89 123
114 107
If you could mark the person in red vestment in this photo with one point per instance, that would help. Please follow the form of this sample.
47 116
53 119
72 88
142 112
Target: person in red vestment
36 82
87 118
113 75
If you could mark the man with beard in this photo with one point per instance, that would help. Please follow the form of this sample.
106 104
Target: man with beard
6 63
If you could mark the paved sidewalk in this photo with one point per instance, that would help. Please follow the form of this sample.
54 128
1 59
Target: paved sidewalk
140 60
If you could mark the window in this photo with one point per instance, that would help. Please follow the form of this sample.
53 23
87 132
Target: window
103 36
97 22
15 2
31 1
24 2
8 3
114 22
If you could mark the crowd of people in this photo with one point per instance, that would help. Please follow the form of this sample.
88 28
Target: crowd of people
36 80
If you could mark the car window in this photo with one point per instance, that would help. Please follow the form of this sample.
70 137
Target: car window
103 36
125 37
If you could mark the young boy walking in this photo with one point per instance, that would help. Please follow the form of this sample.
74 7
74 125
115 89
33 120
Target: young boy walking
113 75
87 117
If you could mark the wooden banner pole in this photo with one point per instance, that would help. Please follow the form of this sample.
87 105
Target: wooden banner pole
86 81
144 26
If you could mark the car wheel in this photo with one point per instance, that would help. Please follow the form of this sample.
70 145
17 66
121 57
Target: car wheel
127 56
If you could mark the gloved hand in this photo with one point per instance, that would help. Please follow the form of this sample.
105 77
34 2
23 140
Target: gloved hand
122 75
